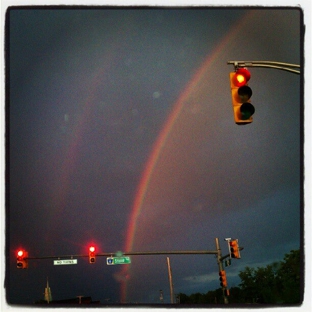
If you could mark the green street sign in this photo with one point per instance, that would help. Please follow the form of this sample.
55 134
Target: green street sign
118 260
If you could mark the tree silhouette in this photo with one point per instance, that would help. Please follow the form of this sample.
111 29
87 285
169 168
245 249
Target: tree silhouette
277 283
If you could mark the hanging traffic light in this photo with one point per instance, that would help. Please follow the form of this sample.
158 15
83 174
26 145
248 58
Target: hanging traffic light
241 94
21 261
235 249
223 281
91 254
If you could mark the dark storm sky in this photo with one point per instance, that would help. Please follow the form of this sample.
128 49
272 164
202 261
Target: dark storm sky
89 94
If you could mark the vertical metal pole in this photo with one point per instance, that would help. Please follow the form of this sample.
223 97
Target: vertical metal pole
170 281
219 256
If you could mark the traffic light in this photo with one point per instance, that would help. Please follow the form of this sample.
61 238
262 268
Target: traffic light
21 259
91 254
235 249
241 94
223 281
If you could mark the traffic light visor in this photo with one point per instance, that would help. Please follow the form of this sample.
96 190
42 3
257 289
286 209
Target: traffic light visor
241 77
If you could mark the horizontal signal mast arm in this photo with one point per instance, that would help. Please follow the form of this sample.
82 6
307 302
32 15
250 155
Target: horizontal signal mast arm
185 252
138 253
268 64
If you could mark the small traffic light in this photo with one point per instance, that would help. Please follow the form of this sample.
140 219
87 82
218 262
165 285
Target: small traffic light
235 249
21 259
91 254
223 281
241 94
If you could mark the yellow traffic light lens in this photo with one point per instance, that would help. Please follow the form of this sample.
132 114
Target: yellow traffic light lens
244 93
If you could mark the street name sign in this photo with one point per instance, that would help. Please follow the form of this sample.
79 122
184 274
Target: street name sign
65 262
118 260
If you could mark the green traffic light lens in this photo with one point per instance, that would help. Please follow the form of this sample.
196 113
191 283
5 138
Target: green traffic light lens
247 110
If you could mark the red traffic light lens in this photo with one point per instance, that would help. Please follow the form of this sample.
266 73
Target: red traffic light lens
241 77
92 249
20 253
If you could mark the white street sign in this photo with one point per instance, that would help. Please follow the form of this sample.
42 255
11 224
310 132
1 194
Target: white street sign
64 262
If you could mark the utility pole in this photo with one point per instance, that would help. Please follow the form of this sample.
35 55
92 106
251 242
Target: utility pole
219 260
170 281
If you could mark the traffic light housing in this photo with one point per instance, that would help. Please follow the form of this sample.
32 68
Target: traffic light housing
234 249
241 94
91 254
223 281
21 260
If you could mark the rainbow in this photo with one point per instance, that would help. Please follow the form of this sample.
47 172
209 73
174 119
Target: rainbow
59 196
68 166
160 143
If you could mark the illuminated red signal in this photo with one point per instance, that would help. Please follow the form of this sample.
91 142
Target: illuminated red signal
91 254
21 261
20 253
241 77
241 94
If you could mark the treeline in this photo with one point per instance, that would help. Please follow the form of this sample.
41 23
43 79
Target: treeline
277 283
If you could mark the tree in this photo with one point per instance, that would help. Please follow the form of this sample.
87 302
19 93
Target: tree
289 278
236 296
248 284
278 282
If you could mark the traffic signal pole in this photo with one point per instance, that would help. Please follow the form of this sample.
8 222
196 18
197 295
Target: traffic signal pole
92 256
268 64
170 281
220 264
